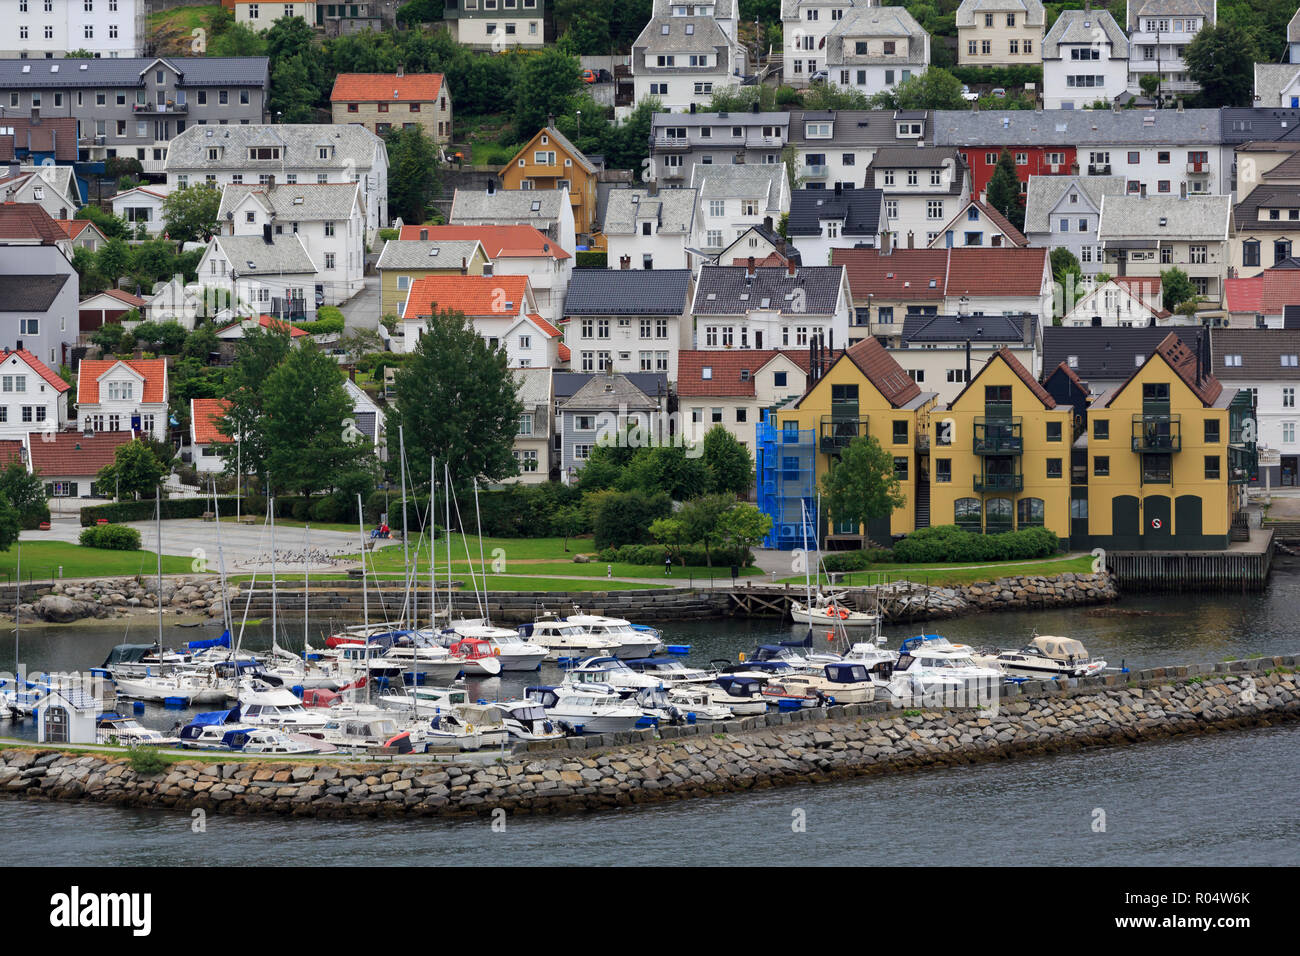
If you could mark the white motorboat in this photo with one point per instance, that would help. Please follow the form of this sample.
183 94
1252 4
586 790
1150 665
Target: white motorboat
265 706
562 639
359 733
740 693
515 654
467 727
426 699
432 661
936 669
118 731
632 640
527 720
610 671
697 700
586 710
1044 657
255 740
671 672
840 683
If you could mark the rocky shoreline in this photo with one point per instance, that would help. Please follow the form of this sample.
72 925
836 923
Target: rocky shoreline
1004 594
582 774
67 602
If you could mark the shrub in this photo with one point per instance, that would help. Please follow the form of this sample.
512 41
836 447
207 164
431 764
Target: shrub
387 234
624 517
325 325
693 555
110 537
840 561
950 543
171 508
147 761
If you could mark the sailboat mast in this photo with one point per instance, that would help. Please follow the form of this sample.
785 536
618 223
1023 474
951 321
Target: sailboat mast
365 592
433 515
807 583
482 565
306 593
446 503
157 510
406 553
270 503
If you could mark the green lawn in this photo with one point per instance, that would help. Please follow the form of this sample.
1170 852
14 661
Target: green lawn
42 559
954 574
495 582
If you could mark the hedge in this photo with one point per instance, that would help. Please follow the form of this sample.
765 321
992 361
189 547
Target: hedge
326 326
111 537
591 260
840 561
1004 76
144 510
624 517
654 554
949 543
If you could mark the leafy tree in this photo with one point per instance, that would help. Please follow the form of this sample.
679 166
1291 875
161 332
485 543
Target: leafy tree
1221 58
1068 276
1003 190
934 89
111 226
567 522
1149 84
456 399
702 521
666 468
257 355
9 525
862 485
90 280
671 533
729 463
201 343
112 260
419 11
1176 288
308 414
190 214
744 527
586 25
238 40
547 83
113 338
135 473
293 94
412 173
26 493
165 338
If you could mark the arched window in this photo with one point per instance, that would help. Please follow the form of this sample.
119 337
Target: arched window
1030 513
966 514
997 518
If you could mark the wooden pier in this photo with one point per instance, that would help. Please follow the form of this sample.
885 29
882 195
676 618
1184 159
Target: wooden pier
894 600
1244 566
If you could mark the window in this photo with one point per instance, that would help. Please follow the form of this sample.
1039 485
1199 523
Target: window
1211 467
1288 433
934 209
966 513
1288 398
1101 466
779 379
1030 513
900 432
943 471
1231 361
1053 468
1054 431
1211 431
1101 429
28 327
900 468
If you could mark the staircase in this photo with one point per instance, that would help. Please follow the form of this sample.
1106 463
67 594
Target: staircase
922 504
1240 529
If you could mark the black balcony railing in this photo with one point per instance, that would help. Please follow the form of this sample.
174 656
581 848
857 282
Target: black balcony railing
998 436
999 482
837 431
1157 433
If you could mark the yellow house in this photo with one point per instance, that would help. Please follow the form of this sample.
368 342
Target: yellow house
863 391
550 161
403 261
1165 450
1001 454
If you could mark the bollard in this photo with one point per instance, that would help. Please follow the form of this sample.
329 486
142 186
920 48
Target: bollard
609 570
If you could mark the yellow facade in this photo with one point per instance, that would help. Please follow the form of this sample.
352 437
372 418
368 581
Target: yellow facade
395 283
1000 457
896 429
1176 492
550 161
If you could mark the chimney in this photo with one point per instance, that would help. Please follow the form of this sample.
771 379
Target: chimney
767 223
692 109
550 119
1074 168
911 239
464 266
400 71
839 190
1180 104
754 106
749 267
625 262
790 269
885 246
1027 332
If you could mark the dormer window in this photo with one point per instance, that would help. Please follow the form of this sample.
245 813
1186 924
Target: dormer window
264 152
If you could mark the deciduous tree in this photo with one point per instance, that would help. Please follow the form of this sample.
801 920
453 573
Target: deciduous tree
862 485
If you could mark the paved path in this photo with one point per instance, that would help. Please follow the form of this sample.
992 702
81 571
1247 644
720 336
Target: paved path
362 310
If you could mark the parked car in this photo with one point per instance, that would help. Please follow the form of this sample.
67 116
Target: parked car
999 91
604 76
589 76
968 95
821 76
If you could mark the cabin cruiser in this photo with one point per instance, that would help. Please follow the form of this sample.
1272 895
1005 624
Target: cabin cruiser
225 730
947 672
514 652
1044 657
426 658
792 692
279 707
359 733
696 700
427 699
670 671
840 683
562 639
466 727
527 720
191 687
739 693
632 640
585 710
119 731
610 671
477 657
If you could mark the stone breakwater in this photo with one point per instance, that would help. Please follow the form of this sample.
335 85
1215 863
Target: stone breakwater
67 601
590 773
909 601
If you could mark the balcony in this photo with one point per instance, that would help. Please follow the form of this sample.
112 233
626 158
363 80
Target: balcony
1243 464
155 108
998 436
985 483
1099 169
836 432
814 172
665 143
674 172
1157 433
1198 169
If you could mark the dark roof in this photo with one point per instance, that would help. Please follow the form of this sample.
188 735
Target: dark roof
1182 358
1064 370
883 371
627 292
859 208
1261 352
852 127
1021 372
1105 353
56 135
1245 215
959 328
30 293
730 290
26 221
1242 124
731 371
567 384
128 71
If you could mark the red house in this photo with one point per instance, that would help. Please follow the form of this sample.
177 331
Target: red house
1030 161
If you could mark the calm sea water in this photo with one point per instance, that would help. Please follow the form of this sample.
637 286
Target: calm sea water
1214 800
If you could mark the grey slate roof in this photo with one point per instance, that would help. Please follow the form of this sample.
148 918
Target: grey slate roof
664 119
734 293
1141 217
312 202
1244 124
886 22
533 386
1009 329
1271 79
1074 127
426 253
747 181
969 9
627 292
914 157
673 209
1105 353
567 384
1084 26
1260 351
128 73
1045 192
859 208
1169 8
285 254
350 144
849 127
505 206
610 391
706 37
29 293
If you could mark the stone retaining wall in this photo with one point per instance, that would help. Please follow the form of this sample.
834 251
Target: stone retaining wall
592 773
1011 593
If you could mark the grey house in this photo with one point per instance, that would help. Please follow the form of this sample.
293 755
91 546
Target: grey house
592 408
38 302
1064 211
134 107
680 140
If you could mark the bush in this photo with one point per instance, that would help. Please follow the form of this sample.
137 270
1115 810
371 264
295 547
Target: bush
331 325
693 555
387 234
624 517
1008 77
949 543
840 561
591 260
171 508
110 537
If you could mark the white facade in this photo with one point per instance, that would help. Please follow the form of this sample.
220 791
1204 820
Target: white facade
258 276
262 16
120 399
919 199
686 51
38 29
943 369
735 198
873 49
1085 59
141 205
1115 304
1159 31
28 401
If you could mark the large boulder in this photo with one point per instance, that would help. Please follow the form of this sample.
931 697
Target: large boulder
58 609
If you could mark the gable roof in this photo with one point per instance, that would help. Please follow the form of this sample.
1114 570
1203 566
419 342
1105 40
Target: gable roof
875 21
1006 355
556 138
506 205
75 227
1260 351
999 221
205 414
609 391
31 293
22 136
153 371
252 255
347 145
727 370
1245 215
628 292
50 377
730 290
1101 354
128 72
427 253
902 274
1271 80
1071 128
851 127
858 208
1244 295
672 209
59 454
975 328
1003 271
1044 193
1152 218
266 322
765 182
883 371
1032 10
299 202
1281 287
1081 26
475 296
12 449
1064 369
1182 360
25 221
518 241
390 87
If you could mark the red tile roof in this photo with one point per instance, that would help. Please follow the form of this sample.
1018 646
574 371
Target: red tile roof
1281 288
205 413
389 87
11 449
1244 295
154 372
134 301
498 241
545 326
27 221
1005 271
269 321
725 367
770 260
51 377
498 296
883 371
75 227
1022 373
60 454
565 353
904 274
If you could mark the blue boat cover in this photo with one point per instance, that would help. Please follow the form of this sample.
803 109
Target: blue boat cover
222 641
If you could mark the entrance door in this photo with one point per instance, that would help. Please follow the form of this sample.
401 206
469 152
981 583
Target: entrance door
1155 521
1124 529
1290 465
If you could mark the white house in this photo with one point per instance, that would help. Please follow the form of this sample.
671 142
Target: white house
66 716
872 49
1146 235
267 274
123 395
647 229
999 32
205 435
51 29
53 188
1085 59
734 198
144 204
287 154
502 310
547 210
733 388
836 146
233 331
368 417
979 224
32 396
1128 302
736 307
1158 33
329 219
686 51
1265 363
173 301
923 189
628 320
826 219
